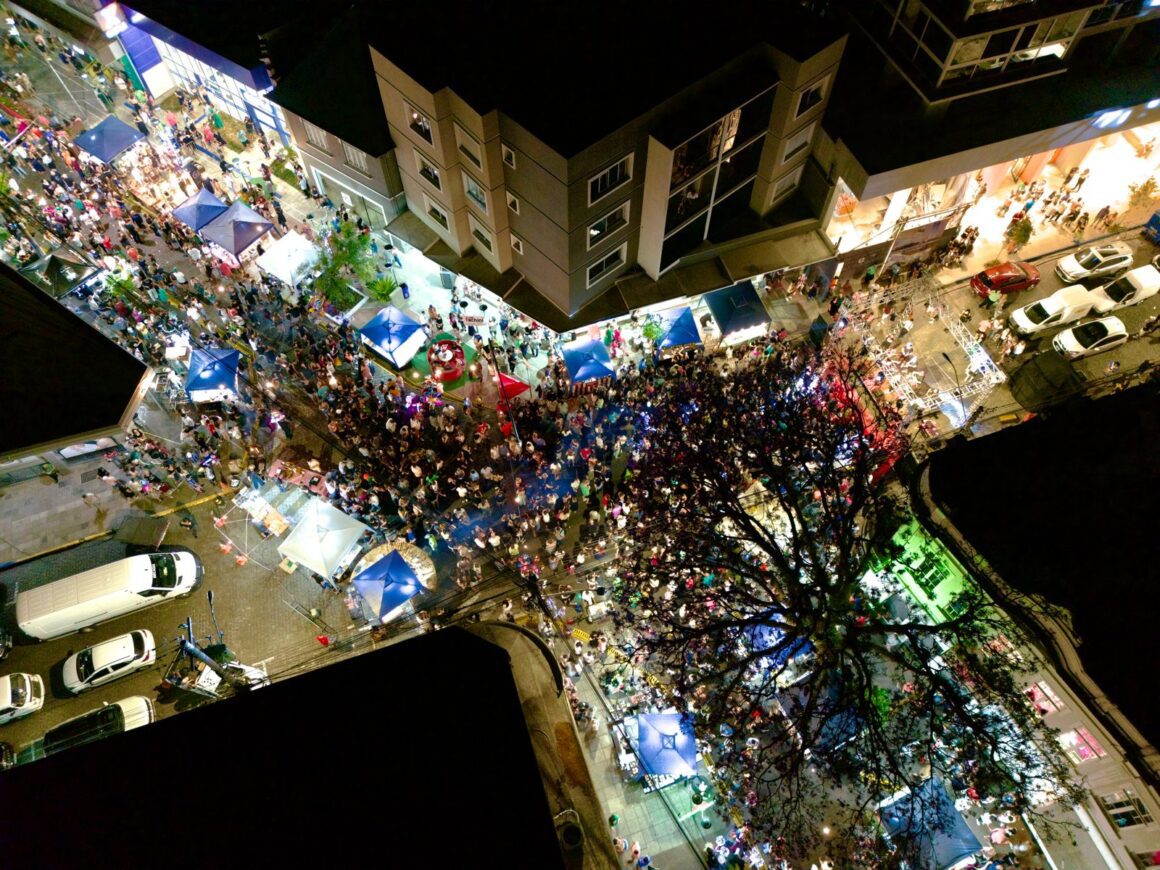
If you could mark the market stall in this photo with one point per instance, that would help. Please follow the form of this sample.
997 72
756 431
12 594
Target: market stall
60 271
213 375
588 362
680 328
324 540
738 312
200 209
664 746
383 588
235 231
109 139
394 335
289 259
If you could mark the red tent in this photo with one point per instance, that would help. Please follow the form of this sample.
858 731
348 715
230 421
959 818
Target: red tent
509 387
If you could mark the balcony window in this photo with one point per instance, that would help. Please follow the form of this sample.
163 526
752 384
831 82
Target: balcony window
480 233
606 265
702 151
513 202
811 96
428 171
969 50
475 192
420 123
608 225
508 155
797 143
689 201
355 159
436 213
468 147
1125 809
615 176
737 166
317 137
786 184
1080 746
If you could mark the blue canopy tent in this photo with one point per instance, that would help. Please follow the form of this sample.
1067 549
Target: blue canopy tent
213 375
236 228
768 638
394 334
587 360
665 744
737 309
680 328
830 725
200 209
387 584
927 820
109 139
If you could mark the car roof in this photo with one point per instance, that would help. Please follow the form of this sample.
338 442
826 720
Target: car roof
115 650
1004 270
1112 324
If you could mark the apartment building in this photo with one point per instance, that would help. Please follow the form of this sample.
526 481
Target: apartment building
577 177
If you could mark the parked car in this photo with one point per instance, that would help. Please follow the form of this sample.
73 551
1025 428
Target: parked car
1006 278
109 661
1063 306
1097 262
120 716
1090 338
1130 288
20 695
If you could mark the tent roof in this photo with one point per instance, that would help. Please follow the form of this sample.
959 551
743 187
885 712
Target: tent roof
289 257
236 228
109 139
927 818
736 308
61 270
89 387
511 387
666 745
390 328
587 360
387 584
213 370
680 328
200 209
321 538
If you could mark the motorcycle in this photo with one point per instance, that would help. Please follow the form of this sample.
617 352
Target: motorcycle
5 645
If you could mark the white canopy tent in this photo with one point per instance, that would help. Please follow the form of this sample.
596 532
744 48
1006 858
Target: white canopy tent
323 539
289 258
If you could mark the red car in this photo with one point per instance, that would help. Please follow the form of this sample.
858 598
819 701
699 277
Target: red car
1006 278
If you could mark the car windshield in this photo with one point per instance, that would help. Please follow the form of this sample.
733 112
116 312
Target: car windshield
1036 313
19 685
1118 291
164 571
84 664
1089 260
985 279
1090 333
138 644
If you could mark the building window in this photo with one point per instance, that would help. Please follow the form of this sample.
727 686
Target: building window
468 147
1044 698
517 245
420 123
615 176
480 233
786 184
513 202
355 159
608 263
436 213
1125 809
317 137
811 96
1146 860
509 156
797 143
428 171
608 225
475 192
1080 746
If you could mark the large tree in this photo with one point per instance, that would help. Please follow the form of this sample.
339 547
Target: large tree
764 493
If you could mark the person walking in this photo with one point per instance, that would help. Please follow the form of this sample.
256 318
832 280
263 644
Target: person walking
1080 180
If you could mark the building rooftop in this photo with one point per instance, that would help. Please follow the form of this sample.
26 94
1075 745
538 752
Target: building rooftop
573 74
418 753
338 63
62 378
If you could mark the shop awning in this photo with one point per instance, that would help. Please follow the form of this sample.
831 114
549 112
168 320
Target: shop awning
200 209
587 360
213 375
61 270
235 229
927 819
289 258
394 334
110 139
387 584
736 308
680 327
666 745
322 538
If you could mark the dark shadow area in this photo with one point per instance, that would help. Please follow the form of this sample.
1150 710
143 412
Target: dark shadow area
1066 506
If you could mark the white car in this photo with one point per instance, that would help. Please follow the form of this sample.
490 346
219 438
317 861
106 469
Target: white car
20 695
1098 262
1063 306
109 661
1130 288
1096 336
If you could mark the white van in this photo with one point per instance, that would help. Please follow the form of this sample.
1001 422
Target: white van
120 716
1065 305
83 600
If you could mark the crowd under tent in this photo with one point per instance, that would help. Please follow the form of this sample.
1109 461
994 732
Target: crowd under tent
927 819
236 228
60 271
394 335
387 585
665 744
109 139
289 259
587 360
325 540
680 328
200 209
213 375
738 311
